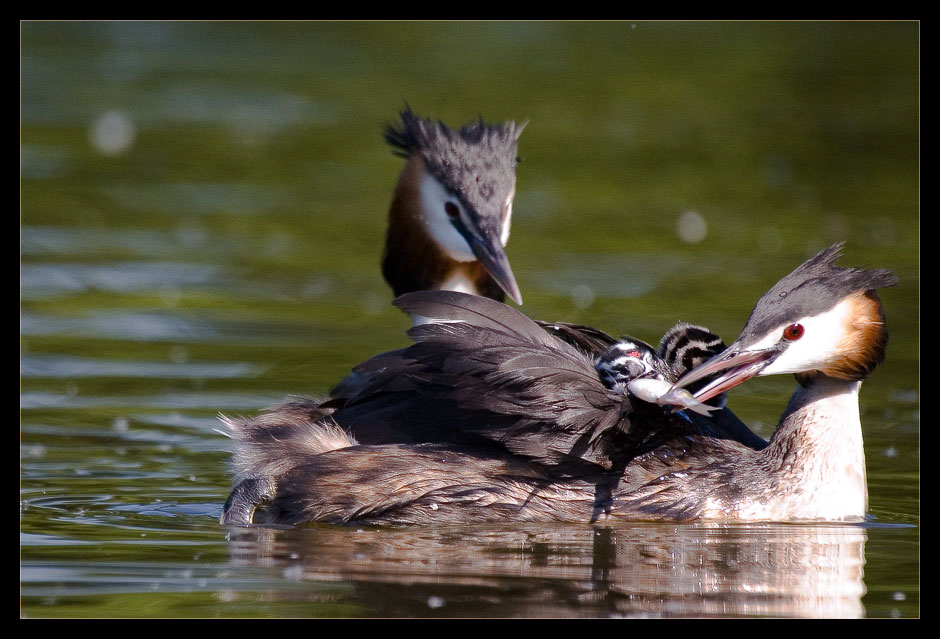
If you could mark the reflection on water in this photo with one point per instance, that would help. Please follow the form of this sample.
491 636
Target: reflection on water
644 570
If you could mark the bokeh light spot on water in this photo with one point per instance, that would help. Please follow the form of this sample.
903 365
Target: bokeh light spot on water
112 133
582 296
691 227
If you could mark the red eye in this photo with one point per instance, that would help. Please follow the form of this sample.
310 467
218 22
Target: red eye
793 332
452 211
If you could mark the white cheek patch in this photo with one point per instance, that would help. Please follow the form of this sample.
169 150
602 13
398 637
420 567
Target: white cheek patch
433 198
822 336
507 218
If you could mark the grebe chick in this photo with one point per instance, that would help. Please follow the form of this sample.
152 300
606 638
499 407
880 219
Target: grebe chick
499 420
633 366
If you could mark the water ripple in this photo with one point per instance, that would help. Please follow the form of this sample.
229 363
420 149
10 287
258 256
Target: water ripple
71 367
44 280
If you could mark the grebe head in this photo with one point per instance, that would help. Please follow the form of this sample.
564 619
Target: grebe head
453 204
819 318
626 361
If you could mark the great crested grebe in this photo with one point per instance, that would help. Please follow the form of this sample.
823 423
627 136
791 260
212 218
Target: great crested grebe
488 417
451 213
452 208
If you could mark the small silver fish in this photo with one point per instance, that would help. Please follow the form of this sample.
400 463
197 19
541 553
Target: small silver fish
657 391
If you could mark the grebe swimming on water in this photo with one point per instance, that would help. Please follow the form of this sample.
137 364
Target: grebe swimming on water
488 417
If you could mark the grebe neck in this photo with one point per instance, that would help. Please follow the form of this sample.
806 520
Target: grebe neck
817 452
